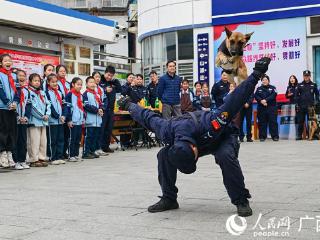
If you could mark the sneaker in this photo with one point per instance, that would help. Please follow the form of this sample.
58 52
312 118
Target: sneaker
276 139
88 156
241 139
43 163
25 165
78 158
10 159
244 209
95 155
18 166
73 159
262 139
108 150
36 164
101 153
249 140
164 204
4 160
61 161
55 162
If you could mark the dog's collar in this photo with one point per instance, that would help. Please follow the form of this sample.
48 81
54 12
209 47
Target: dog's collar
223 48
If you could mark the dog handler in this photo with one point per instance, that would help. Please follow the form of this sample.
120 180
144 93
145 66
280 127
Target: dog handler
194 135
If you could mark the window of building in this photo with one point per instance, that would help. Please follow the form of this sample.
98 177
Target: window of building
146 51
169 44
85 52
70 67
315 25
84 69
156 54
185 44
69 51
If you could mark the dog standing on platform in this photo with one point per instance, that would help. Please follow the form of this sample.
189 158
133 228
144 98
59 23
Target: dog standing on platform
230 54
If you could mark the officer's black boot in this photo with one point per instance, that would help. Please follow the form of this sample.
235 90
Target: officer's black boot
163 205
244 209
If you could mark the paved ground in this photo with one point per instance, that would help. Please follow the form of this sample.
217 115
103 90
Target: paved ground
107 198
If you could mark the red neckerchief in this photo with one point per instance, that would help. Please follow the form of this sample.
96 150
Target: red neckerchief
205 94
99 91
22 97
56 93
79 100
98 99
63 81
10 78
38 92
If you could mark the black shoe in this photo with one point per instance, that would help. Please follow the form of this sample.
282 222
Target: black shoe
88 156
241 139
249 140
108 150
95 155
276 139
299 138
164 204
244 209
262 139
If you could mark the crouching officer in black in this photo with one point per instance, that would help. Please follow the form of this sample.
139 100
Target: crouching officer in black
197 134
266 96
306 95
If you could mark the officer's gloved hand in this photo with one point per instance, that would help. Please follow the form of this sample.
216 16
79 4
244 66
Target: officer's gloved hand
124 103
261 67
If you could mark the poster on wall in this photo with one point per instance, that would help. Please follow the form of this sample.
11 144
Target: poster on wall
30 62
283 40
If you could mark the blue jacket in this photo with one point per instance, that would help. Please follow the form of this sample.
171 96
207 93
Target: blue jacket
73 113
269 93
39 109
219 91
62 89
169 89
24 108
91 108
7 95
57 110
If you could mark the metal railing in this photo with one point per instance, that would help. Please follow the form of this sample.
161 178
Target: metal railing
86 4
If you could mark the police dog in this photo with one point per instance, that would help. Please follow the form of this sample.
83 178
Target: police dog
314 122
230 55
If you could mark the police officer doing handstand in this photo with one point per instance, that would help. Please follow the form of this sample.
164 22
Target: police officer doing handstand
193 135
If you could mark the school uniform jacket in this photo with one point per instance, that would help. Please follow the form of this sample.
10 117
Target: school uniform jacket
40 107
91 107
57 108
25 106
7 94
73 113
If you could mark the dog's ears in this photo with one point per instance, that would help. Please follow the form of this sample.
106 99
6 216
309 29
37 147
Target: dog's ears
228 32
248 36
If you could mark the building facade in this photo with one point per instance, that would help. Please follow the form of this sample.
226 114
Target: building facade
56 35
191 31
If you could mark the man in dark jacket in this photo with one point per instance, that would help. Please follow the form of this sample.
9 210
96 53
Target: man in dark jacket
197 134
220 89
152 90
111 87
306 95
169 92
246 113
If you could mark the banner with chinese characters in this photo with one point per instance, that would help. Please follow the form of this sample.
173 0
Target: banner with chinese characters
30 62
203 57
283 40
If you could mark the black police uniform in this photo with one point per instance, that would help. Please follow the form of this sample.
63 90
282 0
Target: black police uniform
211 132
152 93
219 91
307 94
267 115
137 93
246 113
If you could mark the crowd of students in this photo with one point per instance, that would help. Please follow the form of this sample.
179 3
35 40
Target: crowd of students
45 117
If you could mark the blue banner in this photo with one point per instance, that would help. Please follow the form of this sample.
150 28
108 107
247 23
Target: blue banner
203 57
235 11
